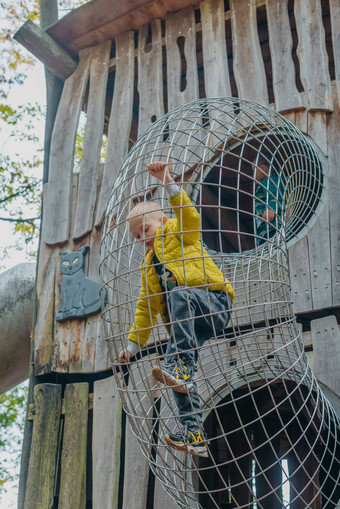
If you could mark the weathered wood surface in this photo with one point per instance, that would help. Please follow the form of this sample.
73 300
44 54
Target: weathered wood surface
43 458
286 94
77 345
333 130
248 63
301 118
46 49
150 76
182 77
334 7
215 58
66 335
136 468
120 119
55 229
300 277
312 55
87 189
89 340
72 492
44 326
319 261
161 497
107 429
98 21
326 342
316 128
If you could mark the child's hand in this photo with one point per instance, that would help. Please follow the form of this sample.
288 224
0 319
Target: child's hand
160 171
124 356
268 215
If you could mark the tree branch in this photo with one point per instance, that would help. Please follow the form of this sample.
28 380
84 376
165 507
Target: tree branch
19 220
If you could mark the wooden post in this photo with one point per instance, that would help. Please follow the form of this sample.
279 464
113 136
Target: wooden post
46 49
43 458
54 85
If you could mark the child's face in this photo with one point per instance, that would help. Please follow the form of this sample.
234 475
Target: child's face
144 229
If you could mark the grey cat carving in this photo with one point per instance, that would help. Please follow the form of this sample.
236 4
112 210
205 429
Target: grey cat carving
79 294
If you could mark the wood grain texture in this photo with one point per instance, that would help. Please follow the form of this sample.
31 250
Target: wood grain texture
66 336
120 119
312 54
326 343
248 64
333 130
215 58
44 326
92 140
136 467
286 94
43 458
316 125
107 429
334 7
300 277
101 20
72 493
182 77
55 227
320 262
46 49
150 76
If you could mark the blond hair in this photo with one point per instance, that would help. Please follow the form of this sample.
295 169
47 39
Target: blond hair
145 207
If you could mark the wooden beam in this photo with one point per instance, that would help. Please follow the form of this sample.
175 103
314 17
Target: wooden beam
46 49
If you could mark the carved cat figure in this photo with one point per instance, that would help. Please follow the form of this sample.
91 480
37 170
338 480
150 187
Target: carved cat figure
79 294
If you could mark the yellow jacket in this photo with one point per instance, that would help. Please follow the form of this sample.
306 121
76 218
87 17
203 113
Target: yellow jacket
177 245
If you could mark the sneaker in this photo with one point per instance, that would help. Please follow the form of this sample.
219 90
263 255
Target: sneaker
176 374
190 440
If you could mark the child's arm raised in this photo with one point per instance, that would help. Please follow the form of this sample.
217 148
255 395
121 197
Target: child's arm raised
188 218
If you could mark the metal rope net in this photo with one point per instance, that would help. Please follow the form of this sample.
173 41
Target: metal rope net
273 436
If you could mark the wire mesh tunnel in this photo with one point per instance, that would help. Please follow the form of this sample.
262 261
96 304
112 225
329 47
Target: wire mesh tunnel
274 437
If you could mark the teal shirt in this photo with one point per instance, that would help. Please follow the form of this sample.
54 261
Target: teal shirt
268 195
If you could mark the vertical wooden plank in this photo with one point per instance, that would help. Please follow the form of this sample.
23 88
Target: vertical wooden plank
150 77
161 497
317 130
182 77
320 262
215 58
249 68
107 429
333 130
67 335
92 140
57 209
334 7
88 347
44 326
286 94
120 118
136 470
300 277
312 54
42 464
301 120
326 341
72 493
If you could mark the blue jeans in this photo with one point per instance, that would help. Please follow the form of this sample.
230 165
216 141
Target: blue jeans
196 314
